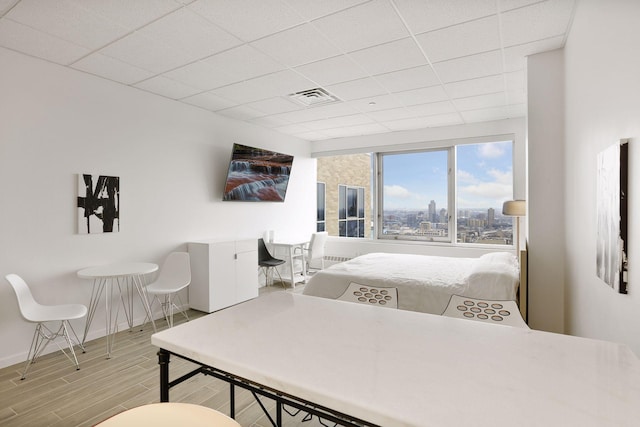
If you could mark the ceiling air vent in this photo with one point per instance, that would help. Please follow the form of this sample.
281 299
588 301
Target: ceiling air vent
313 97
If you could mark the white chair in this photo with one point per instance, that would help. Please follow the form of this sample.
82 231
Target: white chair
174 276
488 311
315 250
39 314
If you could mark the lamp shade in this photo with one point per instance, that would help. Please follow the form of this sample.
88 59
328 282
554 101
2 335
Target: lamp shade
514 208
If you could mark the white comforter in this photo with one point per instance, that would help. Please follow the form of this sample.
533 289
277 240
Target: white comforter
424 283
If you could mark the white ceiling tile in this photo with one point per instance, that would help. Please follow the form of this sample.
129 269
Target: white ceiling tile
362 26
382 102
129 14
241 92
209 101
495 113
241 112
321 111
270 121
166 87
189 33
536 22
32 42
201 75
444 120
469 38
481 101
422 16
311 136
388 57
281 83
423 95
391 114
514 4
66 20
431 109
515 56
5 5
111 69
248 19
516 81
449 119
336 122
291 129
244 62
145 53
411 78
297 46
312 9
481 86
366 129
274 105
470 67
357 89
407 124
333 70
517 97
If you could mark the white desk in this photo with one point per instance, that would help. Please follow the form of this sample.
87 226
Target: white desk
104 278
290 246
400 368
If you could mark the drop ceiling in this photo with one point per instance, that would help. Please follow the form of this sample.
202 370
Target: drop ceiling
392 64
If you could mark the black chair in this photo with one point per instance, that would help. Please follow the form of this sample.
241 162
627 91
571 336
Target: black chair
268 263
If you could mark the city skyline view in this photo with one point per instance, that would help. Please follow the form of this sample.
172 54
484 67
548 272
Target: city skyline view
484 177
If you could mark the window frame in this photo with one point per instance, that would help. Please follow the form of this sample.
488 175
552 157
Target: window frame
452 192
324 208
344 198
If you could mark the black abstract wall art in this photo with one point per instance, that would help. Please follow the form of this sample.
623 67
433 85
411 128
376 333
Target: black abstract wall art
98 204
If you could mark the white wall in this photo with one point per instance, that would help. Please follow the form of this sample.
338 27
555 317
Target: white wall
602 106
171 158
545 125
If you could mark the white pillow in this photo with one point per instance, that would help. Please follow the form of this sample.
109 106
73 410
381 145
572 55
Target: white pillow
500 257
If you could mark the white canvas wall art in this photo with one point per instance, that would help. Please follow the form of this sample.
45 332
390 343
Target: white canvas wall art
611 193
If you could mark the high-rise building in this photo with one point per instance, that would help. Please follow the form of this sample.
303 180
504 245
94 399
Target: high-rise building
432 211
491 217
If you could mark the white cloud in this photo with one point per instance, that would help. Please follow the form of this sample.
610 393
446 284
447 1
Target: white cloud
396 191
492 150
503 177
465 177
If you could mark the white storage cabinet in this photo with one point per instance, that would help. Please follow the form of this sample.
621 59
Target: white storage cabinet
223 273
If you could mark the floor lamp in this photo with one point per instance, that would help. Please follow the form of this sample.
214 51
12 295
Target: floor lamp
515 208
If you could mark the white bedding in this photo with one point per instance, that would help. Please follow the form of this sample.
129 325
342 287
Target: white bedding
424 283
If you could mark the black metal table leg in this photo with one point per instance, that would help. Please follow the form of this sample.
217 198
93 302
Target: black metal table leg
163 361
232 401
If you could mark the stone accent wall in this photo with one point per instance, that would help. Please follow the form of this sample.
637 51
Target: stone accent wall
353 170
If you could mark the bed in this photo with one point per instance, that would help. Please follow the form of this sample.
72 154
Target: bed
417 282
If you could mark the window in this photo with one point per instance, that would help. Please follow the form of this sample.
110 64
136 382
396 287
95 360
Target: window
484 180
451 194
415 195
351 211
321 206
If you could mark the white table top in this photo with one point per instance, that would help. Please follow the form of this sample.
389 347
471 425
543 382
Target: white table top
118 270
290 242
401 368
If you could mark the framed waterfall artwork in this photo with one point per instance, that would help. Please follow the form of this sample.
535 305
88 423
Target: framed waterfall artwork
611 194
98 204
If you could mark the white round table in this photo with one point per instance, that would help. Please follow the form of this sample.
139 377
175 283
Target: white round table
170 415
104 277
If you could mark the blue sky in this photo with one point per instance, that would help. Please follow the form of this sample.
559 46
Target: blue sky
484 171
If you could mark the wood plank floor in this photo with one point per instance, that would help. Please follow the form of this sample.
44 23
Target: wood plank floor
56 394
